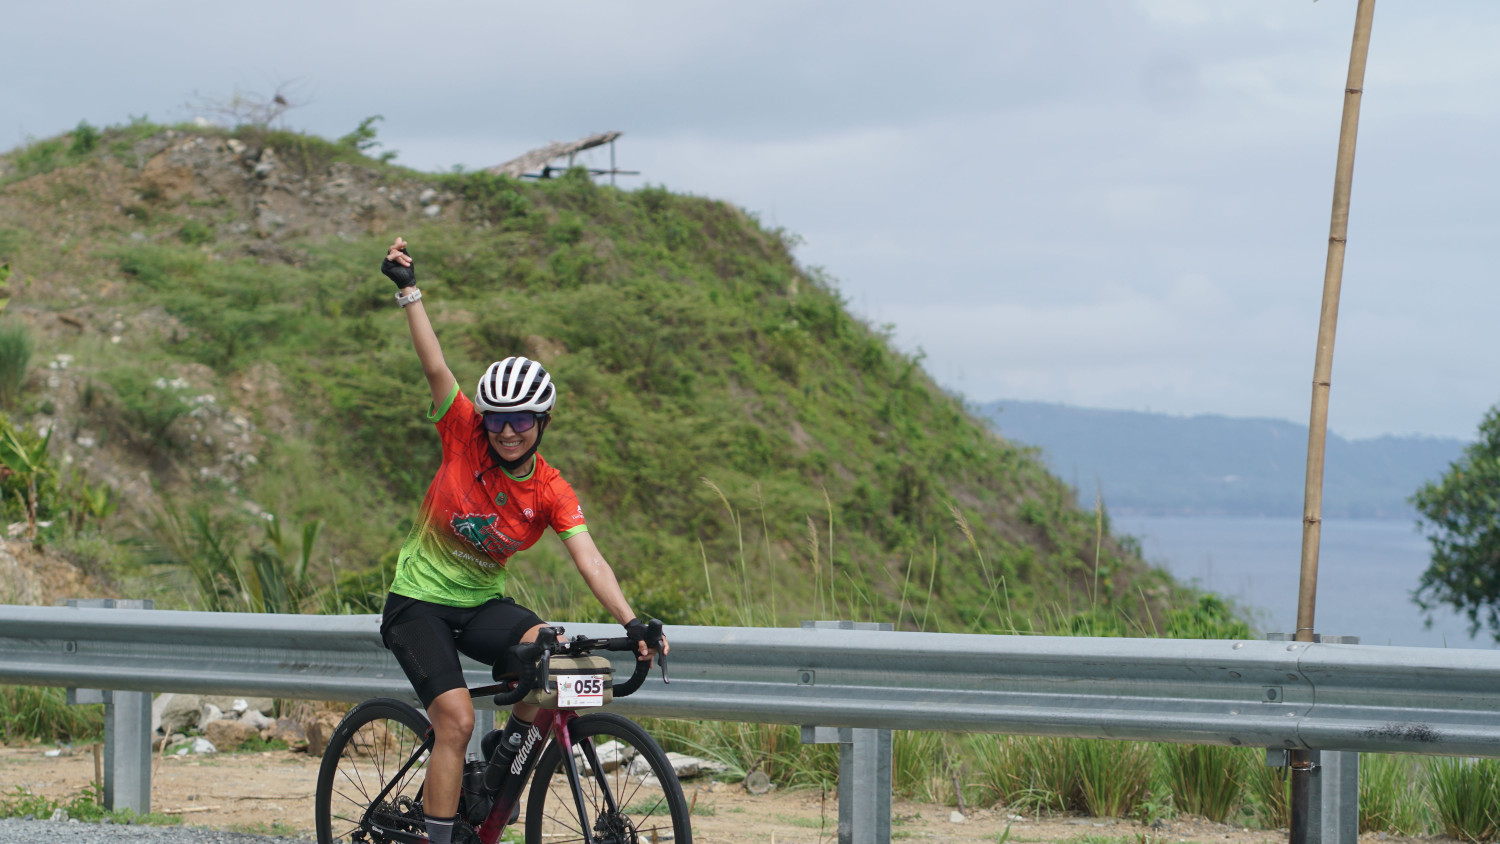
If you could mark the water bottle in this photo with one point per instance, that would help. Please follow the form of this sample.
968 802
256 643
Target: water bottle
475 804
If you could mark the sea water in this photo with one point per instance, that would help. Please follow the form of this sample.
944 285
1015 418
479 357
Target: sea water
1367 571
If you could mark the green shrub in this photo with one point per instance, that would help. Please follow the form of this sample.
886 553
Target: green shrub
1210 618
776 749
1271 795
921 767
195 233
1113 776
86 805
1206 780
1391 795
33 713
37 157
148 405
85 139
1465 797
15 356
1046 774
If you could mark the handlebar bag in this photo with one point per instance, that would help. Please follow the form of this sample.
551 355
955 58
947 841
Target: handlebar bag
569 672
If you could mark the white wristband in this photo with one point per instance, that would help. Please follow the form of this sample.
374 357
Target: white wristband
404 299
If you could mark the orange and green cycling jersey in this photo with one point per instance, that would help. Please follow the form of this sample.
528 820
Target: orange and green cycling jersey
476 515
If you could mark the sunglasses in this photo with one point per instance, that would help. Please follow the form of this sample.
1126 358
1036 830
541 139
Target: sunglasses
519 422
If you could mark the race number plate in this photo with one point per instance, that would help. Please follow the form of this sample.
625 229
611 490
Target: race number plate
580 690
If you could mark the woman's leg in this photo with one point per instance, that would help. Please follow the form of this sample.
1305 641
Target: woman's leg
494 629
452 716
420 635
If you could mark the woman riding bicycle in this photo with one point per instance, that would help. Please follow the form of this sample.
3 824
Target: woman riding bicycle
492 496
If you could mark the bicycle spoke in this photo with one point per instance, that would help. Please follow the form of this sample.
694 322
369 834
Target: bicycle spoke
613 783
357 783
377 754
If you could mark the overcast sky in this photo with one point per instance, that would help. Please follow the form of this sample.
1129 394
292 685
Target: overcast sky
1111 204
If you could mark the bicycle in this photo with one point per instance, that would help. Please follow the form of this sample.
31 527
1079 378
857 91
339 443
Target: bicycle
615 786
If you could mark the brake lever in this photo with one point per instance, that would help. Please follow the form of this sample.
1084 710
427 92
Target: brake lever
653 639
544 663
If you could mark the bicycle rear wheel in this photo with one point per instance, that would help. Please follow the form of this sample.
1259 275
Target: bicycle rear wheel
627 788
367 751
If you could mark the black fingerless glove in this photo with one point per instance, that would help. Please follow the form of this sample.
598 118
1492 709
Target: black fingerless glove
403 276
636 630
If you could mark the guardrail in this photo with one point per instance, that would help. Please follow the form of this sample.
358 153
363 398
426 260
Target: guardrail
1266 694
1277 695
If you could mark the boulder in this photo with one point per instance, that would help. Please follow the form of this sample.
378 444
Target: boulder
255 719
687 766
229 735
198 745
286 729
320 730
181 713
209 715
240 703
158 705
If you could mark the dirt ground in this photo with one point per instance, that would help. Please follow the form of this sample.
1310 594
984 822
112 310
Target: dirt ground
272 792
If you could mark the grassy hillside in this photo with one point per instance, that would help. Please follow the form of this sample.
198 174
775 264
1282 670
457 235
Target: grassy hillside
746 450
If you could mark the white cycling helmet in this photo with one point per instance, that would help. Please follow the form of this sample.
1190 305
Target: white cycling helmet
513 385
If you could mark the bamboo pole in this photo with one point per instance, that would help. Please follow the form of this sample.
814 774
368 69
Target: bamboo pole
1333 276
1317 427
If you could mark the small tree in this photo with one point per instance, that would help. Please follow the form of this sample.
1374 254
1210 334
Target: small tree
1461 517
28 461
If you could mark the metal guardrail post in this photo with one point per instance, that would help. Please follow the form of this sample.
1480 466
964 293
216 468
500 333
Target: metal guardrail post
864 761
127 727
1333 801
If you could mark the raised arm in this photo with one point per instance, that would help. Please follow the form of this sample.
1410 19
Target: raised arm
398 266
602 582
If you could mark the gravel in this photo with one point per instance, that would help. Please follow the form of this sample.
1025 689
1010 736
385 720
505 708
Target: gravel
14 831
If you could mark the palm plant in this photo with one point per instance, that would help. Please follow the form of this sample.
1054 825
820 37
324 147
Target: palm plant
28 461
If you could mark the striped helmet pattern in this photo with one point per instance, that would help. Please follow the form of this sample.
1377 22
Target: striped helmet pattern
515 384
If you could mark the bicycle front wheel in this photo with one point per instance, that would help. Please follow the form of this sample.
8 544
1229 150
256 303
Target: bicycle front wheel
626 788
368 750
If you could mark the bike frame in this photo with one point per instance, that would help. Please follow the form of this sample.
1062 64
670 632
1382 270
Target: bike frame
552 725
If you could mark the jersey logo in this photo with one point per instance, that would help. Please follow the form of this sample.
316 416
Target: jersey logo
500 498
481 533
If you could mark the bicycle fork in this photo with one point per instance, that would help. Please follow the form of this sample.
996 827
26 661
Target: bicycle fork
512 779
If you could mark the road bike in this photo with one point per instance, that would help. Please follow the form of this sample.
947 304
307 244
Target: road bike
596 778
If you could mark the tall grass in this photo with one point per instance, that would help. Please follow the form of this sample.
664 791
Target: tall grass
15 356
1392 795
1465 797
1113 776
1271 795
922 765
43 714
775 749
1206 780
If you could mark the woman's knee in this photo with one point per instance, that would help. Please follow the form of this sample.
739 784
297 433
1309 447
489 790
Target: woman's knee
530 635
452 715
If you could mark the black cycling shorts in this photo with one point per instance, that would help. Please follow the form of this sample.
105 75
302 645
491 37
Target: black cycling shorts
427 638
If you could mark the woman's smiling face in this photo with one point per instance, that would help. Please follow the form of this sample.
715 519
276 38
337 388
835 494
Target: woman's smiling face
511 445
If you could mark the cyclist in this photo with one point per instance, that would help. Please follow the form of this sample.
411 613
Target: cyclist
492 496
